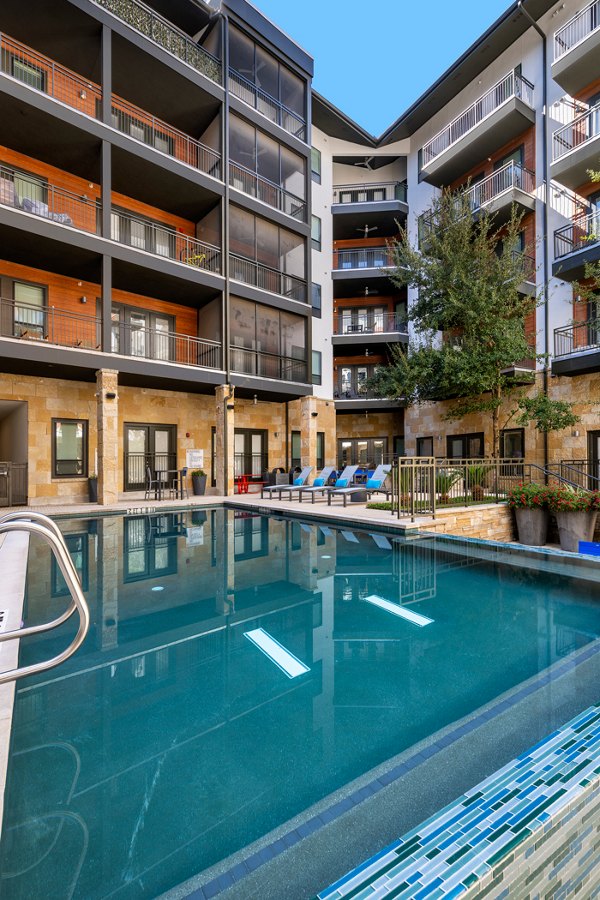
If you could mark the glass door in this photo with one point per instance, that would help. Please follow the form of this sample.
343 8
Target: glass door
29 311
594 458
250 452
152 446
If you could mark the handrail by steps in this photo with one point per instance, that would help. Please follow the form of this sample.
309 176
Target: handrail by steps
46 529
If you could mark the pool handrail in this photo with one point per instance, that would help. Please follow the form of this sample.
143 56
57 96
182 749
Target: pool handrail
24 522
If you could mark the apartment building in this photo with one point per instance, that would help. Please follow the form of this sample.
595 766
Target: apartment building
194 244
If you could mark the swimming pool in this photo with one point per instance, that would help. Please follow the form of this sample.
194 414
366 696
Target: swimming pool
241 668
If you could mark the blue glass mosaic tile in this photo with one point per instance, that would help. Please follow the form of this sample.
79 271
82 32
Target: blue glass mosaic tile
447 854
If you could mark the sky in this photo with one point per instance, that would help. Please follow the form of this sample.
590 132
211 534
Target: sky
373 58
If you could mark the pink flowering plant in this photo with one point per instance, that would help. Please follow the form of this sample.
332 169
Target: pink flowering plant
566 499
528 496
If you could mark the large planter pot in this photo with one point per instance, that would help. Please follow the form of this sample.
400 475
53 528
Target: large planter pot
574 527
93 490
532 526
199 485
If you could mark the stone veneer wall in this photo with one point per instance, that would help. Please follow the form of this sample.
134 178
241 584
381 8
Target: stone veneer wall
493 523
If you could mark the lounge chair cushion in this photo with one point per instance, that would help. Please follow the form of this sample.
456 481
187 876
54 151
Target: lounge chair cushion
373 484
298 482
318 482
341 483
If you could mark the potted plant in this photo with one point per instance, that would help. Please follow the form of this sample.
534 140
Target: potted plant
530 504
477 477
576 513
199 482
93 488
444 482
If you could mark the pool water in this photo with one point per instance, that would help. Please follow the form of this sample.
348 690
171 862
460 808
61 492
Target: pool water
240 668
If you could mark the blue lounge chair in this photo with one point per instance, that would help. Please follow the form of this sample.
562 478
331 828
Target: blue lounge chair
342 482
374 484
288 489
319 484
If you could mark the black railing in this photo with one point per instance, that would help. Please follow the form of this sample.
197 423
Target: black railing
577 338
252 465
579 234
250 272
268 365
581 473
135 467
356 393
363 258
267 105
272 194
376 323
370 193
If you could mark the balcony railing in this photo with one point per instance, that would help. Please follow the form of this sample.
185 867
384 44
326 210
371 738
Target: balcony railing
256 186
268 365
577 235
267 105
577 337
510 176
37 197
377 323
356 393
144 127
166 35
577 29
526 263
582 129
250 272
510 86
68 329
364 258
144 235
43 74
370 193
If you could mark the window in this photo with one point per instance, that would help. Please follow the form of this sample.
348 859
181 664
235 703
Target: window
137 332
268 342
320 449
369 452
512 443
424 446
465 446
315 164
316 300
296 449
315 232
29 310
69 448
29 74
317 358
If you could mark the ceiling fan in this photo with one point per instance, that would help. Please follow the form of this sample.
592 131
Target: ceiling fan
366 163
367 229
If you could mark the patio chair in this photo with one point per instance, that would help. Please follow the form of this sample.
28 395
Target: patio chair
374 483
281 489
318 484
342 482
152 484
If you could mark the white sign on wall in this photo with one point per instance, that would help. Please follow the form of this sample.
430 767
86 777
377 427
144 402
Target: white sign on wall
194 459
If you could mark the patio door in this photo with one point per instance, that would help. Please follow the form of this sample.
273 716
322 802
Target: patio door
250 452
594 457
148 445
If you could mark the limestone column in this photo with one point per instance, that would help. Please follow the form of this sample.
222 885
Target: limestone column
107 397
309 425
224 439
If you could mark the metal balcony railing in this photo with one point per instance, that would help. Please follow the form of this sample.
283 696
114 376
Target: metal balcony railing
370 193
166 35
510 176
356 393
277 112
43 74
510 86
144 127
363 258
576 338
250 272
583 128
256 186
68 329
144 235
37 197
268 365
376 323
582 232
526 263
577 29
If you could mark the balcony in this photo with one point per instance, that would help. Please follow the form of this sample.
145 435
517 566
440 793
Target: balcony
361 258
38 198
577 348
63 328
577 50
250 272
575 245
162 242
375 205
370 332
256 186
358 399
165 35
267 105
268 365
43 74
576 148
511 185
491 121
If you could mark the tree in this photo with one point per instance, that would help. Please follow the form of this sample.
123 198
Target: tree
469 319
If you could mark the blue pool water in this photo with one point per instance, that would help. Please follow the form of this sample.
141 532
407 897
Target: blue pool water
172 739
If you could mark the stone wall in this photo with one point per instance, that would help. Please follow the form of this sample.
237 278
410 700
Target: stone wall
492 522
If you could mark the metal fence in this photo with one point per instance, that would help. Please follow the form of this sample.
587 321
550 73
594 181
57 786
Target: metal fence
582 232
577 337
13 484
376 323
512 85
370 193
250 272
583 128
135 467
162 32
144 235
251 464
37 197
363 258
54 326
580 473
512 175
269 106
272 194
268 365
165 346
577 29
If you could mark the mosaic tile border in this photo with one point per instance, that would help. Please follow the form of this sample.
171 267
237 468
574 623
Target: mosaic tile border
238 872
458 847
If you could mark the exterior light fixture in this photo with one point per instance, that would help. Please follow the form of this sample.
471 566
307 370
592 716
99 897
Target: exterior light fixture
255 399
110 395
83 299
314 414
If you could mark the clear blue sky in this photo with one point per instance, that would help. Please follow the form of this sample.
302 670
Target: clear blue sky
373 58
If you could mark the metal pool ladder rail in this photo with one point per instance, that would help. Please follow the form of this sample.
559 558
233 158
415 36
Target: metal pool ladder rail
36 523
